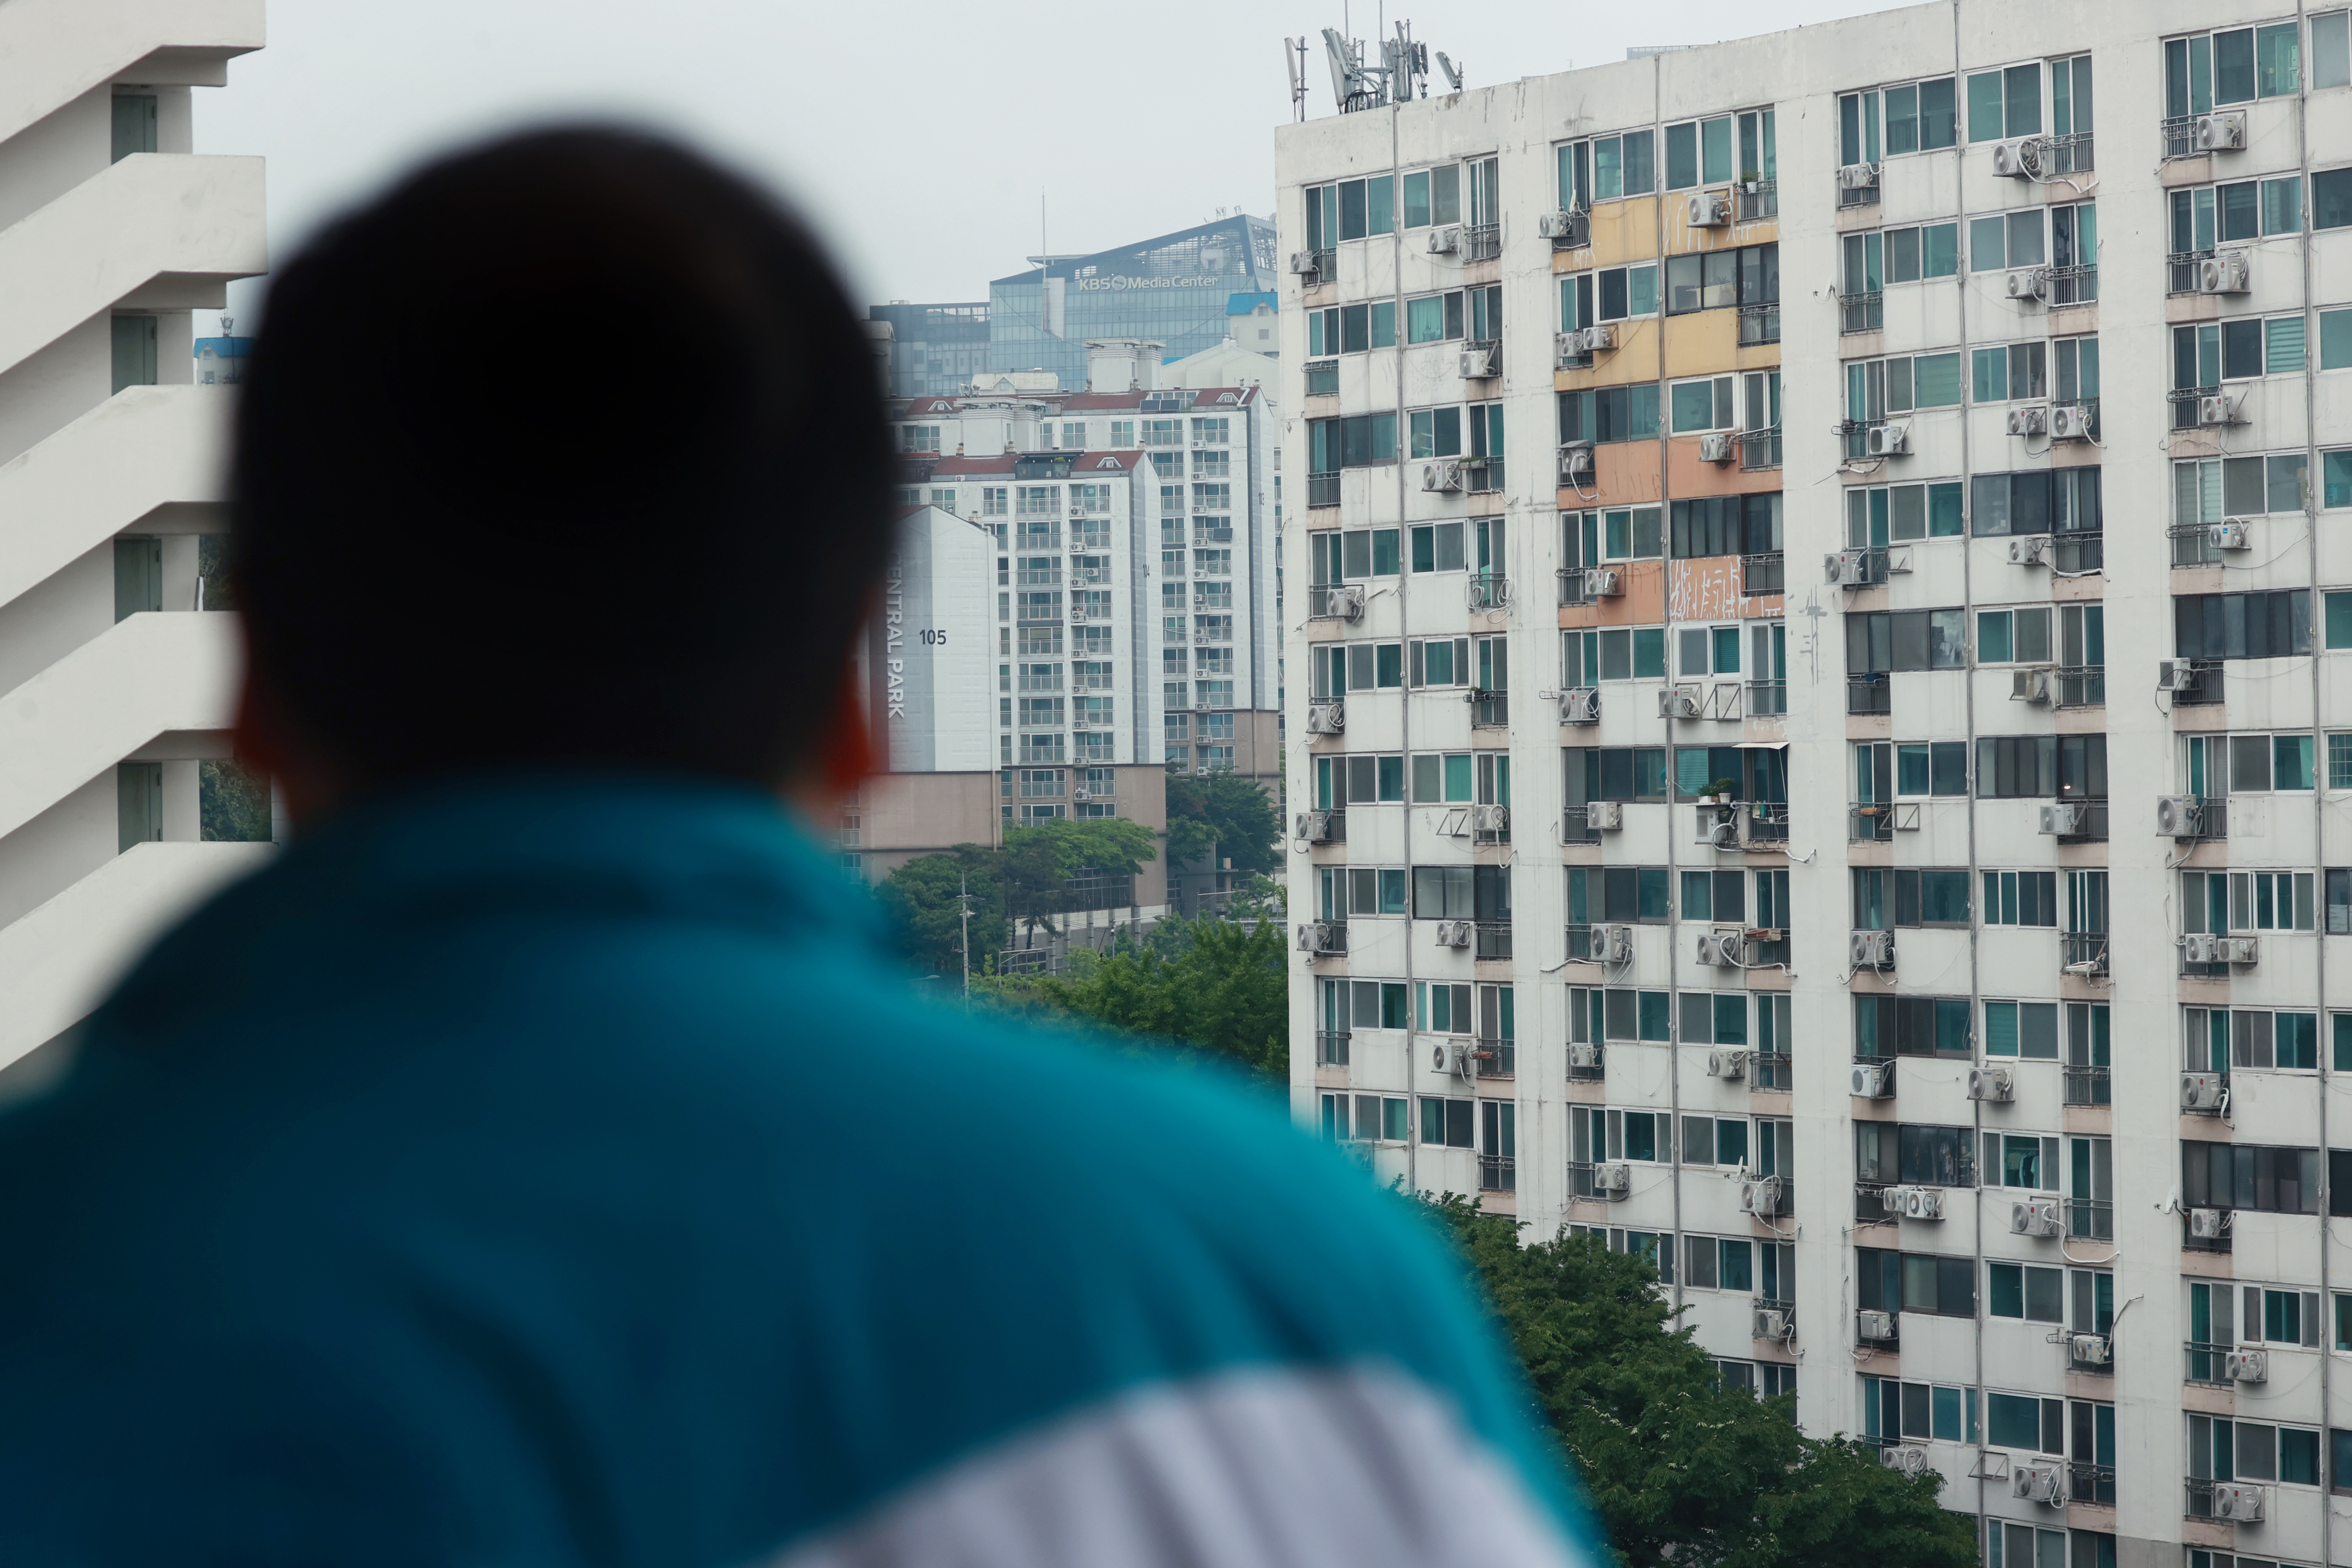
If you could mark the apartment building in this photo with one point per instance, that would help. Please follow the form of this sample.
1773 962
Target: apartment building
1748 808
116 685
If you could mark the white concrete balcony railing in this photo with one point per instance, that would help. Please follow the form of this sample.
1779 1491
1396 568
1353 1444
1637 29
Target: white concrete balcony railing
58 50
162 231
147 455
159 673
58 961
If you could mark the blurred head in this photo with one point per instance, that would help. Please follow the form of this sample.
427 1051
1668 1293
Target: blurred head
566 451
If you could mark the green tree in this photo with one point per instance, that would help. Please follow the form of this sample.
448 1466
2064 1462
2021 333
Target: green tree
1037 862
233 803
1225 814
919 898
1680 1470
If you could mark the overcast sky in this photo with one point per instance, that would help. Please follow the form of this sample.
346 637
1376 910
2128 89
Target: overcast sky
920 137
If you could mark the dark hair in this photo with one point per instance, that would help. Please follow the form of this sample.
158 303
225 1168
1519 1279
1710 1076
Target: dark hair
568 449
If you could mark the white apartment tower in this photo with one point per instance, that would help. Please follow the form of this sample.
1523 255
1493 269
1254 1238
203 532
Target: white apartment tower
116 690
1754 813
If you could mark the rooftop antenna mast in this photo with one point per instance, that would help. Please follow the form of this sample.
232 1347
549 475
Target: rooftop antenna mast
1408 64
1453 72
1353 83
1294 59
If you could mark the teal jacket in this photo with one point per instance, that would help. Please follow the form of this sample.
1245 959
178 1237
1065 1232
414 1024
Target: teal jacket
558 1170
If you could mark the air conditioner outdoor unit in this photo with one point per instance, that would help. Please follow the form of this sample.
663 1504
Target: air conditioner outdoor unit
2034 1216
1607 815
1709 210
1458 1057
2220 408
2070 421
2237 950
1444 241
2223 130
2020 157
1857 176
2034 420
1715 447
1572 228
1723 835
1771 1323
1612 944
2066 819
1480 364
2091 1349
1314 936
1871 1080
1302 262
1489 819
2229 535
1327 718
2029 686
2197 947
1890 440
1566 348
1726 1064
2241 1503
1315 827
2027 283
1583 1053
2037 1483
1081 792
1712 952
1580 705
2246 1365
1615 1178
1922 1203
1344 603
1446 474
1679 702
1873 950
2224 272
2030 549
1995 1084
1575 462
1077 615
2178 816
2175 675
1869 1324
2209 1224
1908 1457
1855 568
1453 933
1763 1195
2201 1091
1603 582
1595 339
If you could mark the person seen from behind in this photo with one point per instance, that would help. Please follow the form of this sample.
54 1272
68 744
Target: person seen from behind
541 1162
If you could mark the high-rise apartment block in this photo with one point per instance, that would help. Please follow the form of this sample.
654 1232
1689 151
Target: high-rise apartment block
1748 808
116 686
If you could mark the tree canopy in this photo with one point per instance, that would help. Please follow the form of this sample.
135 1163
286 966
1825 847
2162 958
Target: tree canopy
1027 882
1681 1470
1224 813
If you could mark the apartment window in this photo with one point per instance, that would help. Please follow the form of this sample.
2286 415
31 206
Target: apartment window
2022 1291
1634 895
2077 361
2036 501
1718 279
2020 636
2023 898
2224 1451
1878 388
2005 103
2027 1030
1705 651
1891 1411
1371 780
1352 555
1891 1281
1435 432
1717 896
1875 260
2276 624
1608 168
1911 1026
1885 770
1919 116
2248 1175
1357 441
2237 65
1433 197
1438 779
1885 900
1618 773
1906 640
1605 415
2066 768
1616 654
1879 515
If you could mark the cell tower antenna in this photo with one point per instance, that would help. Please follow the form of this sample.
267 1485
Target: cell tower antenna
1453 72
1294 61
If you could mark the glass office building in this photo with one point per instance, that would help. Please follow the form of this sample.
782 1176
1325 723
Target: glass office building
935 350
1172 290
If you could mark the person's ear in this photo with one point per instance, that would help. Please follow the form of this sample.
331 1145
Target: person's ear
267 737
846 753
